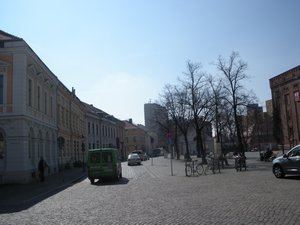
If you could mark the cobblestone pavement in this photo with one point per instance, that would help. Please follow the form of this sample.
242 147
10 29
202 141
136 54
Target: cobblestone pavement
149 194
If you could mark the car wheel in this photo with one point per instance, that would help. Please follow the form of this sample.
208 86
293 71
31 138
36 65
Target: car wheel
278 172
92 181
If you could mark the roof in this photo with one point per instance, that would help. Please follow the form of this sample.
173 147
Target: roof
8 37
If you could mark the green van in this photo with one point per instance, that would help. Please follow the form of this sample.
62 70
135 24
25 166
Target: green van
104 163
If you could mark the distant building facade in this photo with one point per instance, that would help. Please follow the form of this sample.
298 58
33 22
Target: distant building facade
136 138
104 130
71 126
285 89
156 118
258 128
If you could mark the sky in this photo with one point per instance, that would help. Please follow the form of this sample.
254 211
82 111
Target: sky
119 54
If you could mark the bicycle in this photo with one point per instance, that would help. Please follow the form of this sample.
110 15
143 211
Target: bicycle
213 164
239 163
192 167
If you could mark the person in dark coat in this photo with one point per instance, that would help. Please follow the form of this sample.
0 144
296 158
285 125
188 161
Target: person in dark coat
41 167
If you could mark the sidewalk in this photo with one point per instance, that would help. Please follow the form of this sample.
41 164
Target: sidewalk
252 161
17 197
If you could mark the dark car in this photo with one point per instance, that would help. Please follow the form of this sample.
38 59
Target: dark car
288 163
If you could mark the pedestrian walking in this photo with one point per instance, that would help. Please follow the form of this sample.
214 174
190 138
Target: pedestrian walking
41 167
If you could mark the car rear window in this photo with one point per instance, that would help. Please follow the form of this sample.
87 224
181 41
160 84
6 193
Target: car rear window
98 157
95 157
106 157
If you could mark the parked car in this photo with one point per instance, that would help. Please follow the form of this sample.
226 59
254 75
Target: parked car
140 153
104 163
288 163
157 152
134 159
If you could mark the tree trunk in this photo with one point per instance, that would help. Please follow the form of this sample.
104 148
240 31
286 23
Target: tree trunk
188 155
238 132
177 150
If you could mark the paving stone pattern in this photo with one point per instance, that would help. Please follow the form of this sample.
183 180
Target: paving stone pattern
148 194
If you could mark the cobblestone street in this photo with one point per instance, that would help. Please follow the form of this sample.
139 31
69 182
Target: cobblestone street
148 194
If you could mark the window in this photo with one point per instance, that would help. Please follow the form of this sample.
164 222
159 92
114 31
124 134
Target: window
29 92
89 127
39 98
46 102
106 157
287 99
1 146
95 157
51 106
294 152
63 116
1 89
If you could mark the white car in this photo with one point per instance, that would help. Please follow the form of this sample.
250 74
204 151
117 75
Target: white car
134 159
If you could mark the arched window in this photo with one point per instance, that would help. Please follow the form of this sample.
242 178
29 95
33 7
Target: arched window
2 146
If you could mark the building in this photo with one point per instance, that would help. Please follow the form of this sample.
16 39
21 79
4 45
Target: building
136 138
285 89
28 120
258 127
104 130
71 127
156 118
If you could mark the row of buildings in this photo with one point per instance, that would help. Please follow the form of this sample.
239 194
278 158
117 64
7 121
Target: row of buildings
41 117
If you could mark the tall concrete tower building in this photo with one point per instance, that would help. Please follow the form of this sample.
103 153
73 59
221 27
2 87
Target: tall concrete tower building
156 118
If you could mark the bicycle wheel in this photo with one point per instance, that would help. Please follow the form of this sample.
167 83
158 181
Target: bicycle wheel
236 165
212 167
217 166
206 169
199 169
188 170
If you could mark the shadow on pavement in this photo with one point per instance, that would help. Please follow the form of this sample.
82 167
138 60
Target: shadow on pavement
22 197
108 182
291 177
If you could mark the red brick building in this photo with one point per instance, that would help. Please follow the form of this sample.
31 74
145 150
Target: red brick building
285 89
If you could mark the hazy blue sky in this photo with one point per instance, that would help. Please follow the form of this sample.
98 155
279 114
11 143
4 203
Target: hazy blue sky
120 54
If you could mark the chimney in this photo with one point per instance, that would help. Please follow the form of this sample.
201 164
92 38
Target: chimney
130 120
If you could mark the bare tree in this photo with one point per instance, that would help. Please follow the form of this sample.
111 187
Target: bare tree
234 70
175 101
217 103
199 101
